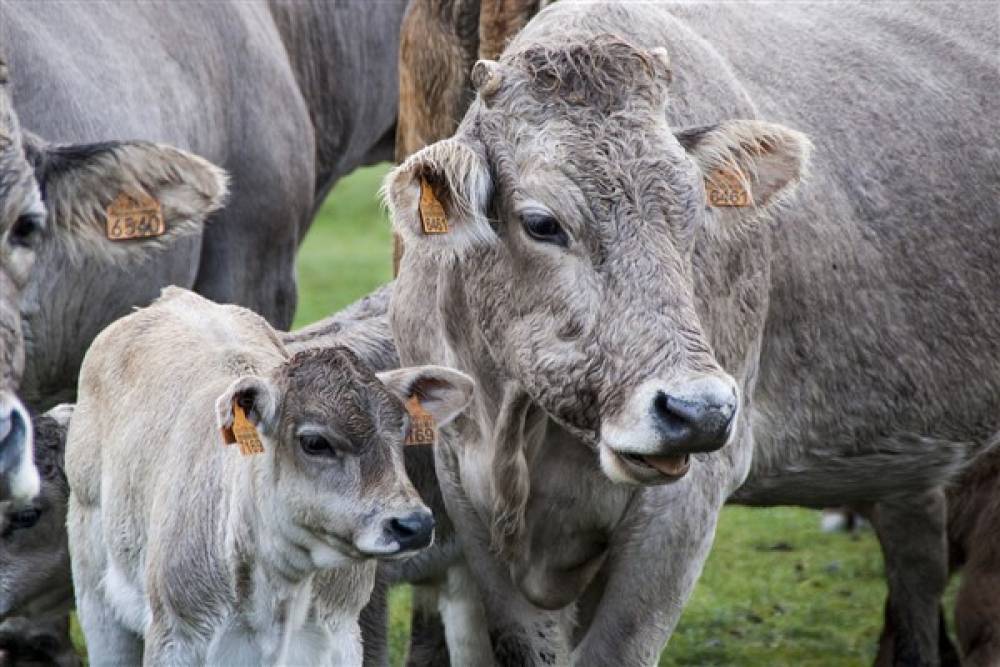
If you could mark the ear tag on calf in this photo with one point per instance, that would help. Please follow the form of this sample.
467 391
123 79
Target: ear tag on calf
432 215
725 188
134 217
242 432
421 424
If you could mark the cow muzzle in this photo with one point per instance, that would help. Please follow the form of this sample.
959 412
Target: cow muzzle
19 480
652 440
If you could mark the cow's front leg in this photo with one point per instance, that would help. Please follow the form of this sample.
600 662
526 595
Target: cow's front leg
912 533
656 557
520 634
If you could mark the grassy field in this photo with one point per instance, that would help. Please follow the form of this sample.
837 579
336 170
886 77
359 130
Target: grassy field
775 591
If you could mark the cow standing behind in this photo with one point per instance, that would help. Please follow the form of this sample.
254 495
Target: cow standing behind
214 557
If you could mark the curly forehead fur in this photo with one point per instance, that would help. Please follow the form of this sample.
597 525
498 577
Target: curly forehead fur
334 377
603 72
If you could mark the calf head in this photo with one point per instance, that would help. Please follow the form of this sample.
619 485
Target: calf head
332 480
62 278
34 552
575 218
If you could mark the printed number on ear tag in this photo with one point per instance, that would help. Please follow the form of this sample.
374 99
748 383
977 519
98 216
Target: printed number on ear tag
421 424
137 217
242 432
725 188
433 219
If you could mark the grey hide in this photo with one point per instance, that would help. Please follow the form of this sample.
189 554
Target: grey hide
642 357
274 554
287 96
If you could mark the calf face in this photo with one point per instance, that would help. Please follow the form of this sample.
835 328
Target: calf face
34 554
334 484
62 277
574 216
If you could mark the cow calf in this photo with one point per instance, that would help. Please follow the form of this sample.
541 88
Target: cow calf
187 551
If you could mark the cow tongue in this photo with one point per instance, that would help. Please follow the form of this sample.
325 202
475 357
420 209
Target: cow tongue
668 465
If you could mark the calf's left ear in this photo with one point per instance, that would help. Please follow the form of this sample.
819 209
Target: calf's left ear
747 163
83 185
443 392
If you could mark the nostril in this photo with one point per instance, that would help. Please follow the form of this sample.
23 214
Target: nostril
402 528
673 413
412 531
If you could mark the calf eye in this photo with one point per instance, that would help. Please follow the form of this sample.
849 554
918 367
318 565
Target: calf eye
25 230
25 518
316 445
544 228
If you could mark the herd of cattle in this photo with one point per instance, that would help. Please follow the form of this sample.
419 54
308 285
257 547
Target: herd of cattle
658 257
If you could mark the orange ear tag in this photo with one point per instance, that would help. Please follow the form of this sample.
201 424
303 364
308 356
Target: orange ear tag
724 188
136 217
433 219
421 424
243 432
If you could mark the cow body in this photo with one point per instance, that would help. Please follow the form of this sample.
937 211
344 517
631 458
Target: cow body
856 320
290 96
271 559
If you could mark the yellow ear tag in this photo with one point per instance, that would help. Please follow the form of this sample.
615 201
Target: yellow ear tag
432 215
421 424
243 432
725 188
137 217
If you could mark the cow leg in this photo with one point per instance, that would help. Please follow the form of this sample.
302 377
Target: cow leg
977 610
911 531
108 641
464 618
428 642
656 557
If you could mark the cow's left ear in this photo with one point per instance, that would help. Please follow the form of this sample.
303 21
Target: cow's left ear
443 392
157 192
747 163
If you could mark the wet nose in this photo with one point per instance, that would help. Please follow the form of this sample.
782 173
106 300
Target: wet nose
412 531
18 477
695 416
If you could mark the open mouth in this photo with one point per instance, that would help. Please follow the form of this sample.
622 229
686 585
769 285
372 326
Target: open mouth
668 466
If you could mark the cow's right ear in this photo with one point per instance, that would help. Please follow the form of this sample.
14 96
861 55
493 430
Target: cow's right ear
258 398
438 197
82 183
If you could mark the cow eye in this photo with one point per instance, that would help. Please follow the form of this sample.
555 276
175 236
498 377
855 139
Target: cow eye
544 228
25 230
316 445
25 518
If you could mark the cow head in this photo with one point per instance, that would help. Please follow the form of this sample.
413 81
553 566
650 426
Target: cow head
577 218
332 480
62 278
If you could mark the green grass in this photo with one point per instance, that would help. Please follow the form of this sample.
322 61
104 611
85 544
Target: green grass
775 590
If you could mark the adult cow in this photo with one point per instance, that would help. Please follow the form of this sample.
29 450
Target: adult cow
287 96
642 357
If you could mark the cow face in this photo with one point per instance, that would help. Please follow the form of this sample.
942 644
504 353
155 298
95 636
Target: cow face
574 218
62 277
34 552
335 483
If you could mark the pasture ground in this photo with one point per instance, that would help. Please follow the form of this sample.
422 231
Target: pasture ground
776 591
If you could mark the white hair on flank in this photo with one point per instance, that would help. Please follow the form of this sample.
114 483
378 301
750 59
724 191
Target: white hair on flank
465 172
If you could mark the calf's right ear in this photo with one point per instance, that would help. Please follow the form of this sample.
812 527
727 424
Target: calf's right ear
258 398
443 392
438 197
